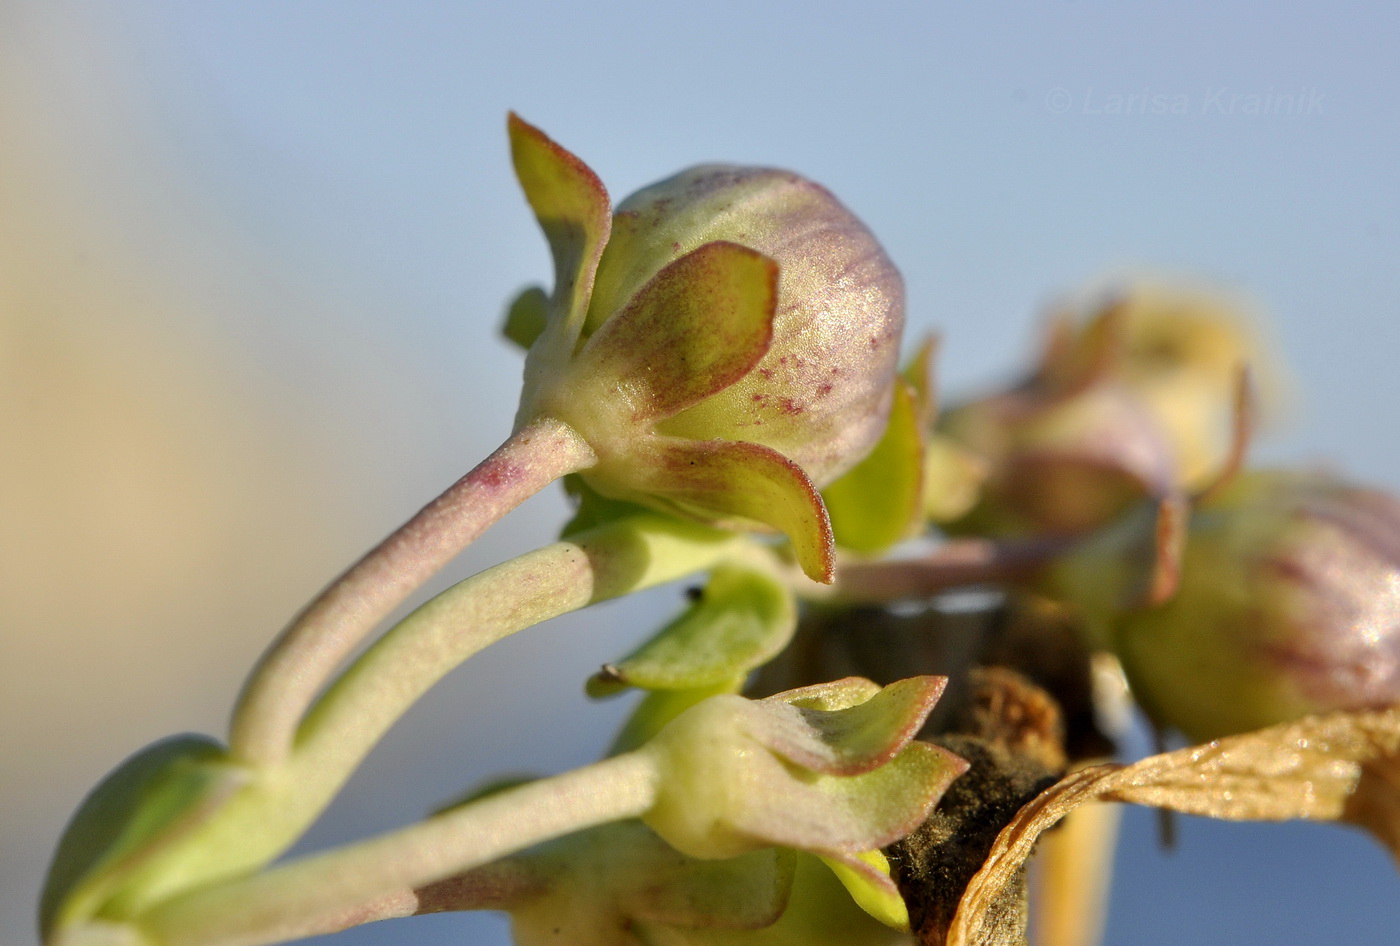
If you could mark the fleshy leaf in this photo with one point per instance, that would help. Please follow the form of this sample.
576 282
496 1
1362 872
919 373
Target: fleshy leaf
866 877
744 484
1326 768
150 800
879 501
695 328
527 316
573 209
742 619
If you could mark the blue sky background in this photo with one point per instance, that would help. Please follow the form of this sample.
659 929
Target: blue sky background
328 182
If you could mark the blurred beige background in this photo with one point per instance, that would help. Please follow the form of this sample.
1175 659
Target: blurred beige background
165 503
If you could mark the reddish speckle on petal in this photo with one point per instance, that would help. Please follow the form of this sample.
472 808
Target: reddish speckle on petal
790 406
823 390
766 372
874 342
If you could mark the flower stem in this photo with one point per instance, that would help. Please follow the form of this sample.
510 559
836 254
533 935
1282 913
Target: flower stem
346 886
263 820
956 564
303 659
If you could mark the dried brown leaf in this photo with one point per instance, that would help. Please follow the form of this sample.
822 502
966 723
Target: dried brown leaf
1343 766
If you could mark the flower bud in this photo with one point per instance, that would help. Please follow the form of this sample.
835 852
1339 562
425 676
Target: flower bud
725 342
1060 461
1180 351
828 769
1139 399
1288 605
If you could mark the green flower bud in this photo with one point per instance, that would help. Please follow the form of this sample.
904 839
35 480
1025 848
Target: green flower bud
1288 605
148 804
828 769
726 342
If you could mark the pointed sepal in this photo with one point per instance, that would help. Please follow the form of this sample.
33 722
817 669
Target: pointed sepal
879 501
735 773
526 317
743 484
699 325
573 209
741 619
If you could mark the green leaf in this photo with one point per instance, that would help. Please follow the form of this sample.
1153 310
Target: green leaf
573 209
879 501
866 877
527 316
743 618
695 328
149 801
741 484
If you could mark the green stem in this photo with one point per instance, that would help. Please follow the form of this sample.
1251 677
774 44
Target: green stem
303 659
344 887
267 817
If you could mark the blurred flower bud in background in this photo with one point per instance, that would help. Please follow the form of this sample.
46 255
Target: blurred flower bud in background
1134 400
1288 605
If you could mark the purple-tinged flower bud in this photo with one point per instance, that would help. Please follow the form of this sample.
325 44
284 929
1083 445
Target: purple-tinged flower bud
1288 605
1138 400
726 342
1179 350
1062 455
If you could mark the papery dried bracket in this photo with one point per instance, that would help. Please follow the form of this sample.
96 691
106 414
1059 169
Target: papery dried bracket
1317 768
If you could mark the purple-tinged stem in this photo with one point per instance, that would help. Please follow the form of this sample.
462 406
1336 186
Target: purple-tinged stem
957 564
302 660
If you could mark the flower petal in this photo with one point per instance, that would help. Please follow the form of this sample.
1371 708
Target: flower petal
695 328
